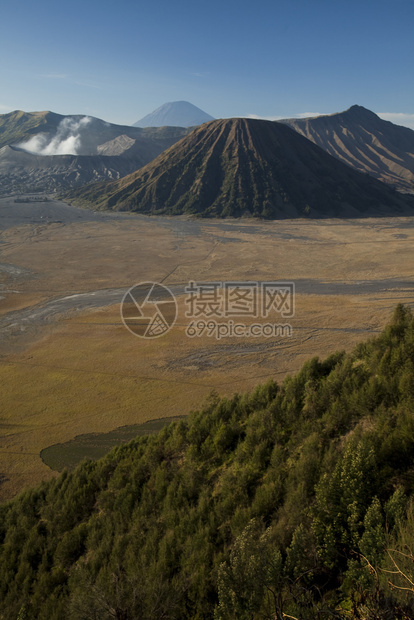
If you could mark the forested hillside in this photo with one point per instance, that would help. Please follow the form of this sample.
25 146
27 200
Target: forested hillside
293 501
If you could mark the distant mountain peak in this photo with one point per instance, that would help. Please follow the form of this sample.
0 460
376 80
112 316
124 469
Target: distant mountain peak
360 111
357 107
175 114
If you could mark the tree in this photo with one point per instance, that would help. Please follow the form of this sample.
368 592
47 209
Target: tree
253 578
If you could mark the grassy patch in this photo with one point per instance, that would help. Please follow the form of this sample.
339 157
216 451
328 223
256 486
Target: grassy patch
95 445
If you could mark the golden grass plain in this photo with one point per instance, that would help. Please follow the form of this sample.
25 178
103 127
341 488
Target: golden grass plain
85 373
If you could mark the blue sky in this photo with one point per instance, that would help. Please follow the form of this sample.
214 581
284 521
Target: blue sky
120 60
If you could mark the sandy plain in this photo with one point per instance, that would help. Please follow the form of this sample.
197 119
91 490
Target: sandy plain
68 365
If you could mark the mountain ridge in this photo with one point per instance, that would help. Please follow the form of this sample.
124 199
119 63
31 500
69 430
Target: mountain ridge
245 167
364 141
357 137
18 127
33 145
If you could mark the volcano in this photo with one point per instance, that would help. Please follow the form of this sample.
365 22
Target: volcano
175 114
247 168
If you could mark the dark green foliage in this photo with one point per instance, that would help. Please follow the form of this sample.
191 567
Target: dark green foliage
281 501
95 445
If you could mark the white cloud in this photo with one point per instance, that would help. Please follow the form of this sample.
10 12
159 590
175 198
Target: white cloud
263 118
278 118
308 114
399 118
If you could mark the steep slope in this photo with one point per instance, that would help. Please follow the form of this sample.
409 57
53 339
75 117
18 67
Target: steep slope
281 503
176 114
364 141
243 167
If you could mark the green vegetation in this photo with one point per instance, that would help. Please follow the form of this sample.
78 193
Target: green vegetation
290 501
19 126
94 446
